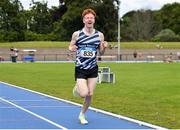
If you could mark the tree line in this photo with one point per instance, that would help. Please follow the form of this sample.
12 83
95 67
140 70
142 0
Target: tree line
147 25
40 23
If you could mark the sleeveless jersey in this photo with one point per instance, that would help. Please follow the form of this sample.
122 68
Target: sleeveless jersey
87 50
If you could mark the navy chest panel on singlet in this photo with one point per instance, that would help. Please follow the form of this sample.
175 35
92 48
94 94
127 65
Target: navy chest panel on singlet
87 50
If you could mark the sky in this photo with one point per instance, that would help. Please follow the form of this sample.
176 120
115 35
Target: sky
126 5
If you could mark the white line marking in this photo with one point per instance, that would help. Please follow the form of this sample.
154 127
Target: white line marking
1 107
34 114
49 100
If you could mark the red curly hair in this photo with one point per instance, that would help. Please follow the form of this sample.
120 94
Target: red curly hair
87 11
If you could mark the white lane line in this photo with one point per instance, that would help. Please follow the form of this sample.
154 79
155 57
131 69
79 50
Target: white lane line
1 107
34 114
46 100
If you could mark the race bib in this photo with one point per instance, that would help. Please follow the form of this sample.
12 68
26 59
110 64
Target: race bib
87 52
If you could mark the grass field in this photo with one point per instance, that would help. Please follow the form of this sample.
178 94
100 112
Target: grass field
145 91
124 45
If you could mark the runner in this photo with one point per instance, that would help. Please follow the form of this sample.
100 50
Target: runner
86 42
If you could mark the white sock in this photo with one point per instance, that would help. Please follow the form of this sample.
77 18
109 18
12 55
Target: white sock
81 113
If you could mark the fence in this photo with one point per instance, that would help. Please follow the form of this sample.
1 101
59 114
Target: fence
107 57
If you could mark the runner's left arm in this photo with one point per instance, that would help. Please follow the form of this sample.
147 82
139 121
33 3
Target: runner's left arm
103 44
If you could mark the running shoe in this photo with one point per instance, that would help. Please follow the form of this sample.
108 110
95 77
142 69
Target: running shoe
75 93
82 119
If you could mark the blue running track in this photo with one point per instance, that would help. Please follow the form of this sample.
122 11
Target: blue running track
25 109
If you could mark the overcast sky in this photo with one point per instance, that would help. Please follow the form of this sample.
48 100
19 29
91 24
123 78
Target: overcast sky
126 5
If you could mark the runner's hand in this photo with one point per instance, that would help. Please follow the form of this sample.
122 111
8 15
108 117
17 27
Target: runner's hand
73 48
105 44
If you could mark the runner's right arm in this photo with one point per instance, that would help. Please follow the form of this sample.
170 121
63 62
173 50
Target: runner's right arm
72 45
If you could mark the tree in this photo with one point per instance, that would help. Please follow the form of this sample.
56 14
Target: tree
145 24
58 12
40 20
170 17
107 18
72 20
12 22
139 25
166 35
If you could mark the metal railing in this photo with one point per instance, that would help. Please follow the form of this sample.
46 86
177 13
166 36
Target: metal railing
106 57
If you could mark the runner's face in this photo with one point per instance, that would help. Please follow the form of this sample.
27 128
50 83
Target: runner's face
89 20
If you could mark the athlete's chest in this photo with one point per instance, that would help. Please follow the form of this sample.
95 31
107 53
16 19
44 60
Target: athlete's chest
88 40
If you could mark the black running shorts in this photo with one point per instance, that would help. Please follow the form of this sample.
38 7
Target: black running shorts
86 73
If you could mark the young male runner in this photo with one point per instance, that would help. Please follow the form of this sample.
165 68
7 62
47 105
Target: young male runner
86 42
